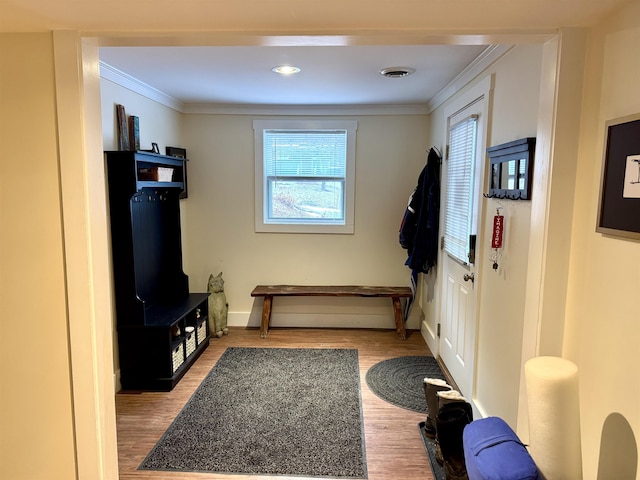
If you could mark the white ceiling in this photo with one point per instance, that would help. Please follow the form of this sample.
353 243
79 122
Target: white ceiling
329 75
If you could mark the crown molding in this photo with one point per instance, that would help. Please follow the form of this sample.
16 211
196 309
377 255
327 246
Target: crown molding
131 83
220 109
487 58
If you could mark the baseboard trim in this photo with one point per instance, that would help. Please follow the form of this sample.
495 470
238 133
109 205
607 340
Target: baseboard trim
430 337
320 320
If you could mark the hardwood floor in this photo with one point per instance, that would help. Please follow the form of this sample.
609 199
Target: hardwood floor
394 448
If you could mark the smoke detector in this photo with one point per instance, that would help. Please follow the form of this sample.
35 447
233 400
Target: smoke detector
397 72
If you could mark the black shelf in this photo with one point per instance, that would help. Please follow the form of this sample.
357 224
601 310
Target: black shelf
138 170
166 314
146 184
153 302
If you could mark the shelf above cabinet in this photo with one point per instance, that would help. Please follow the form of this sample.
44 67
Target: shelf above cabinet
147 170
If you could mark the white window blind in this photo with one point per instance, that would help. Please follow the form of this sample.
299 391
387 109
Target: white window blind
460 167
305 173
316 154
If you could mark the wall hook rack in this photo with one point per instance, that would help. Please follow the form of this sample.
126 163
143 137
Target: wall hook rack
505 196
511 170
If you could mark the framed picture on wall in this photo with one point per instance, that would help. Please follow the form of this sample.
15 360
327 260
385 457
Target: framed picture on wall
619 205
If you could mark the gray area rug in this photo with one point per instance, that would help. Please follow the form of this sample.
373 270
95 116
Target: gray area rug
271 411
400 381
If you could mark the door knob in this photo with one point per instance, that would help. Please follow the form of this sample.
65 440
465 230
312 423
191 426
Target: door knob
468 276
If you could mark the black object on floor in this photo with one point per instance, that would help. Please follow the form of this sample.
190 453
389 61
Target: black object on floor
430 448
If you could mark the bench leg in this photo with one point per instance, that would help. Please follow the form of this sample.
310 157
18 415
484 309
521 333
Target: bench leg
266 316
397 315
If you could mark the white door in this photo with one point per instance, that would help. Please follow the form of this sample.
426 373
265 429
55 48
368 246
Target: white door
463 178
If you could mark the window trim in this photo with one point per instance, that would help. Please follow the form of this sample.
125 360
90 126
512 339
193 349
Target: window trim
259 126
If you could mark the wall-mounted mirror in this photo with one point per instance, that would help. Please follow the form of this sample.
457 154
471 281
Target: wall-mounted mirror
511 169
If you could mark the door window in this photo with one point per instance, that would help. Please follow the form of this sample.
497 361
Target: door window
461 159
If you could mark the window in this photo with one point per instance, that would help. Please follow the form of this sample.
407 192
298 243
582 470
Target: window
460 182
304 175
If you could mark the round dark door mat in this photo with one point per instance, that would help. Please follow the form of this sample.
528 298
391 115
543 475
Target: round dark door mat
400 380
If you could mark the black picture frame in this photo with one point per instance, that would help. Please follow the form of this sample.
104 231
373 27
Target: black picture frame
619 200
182 154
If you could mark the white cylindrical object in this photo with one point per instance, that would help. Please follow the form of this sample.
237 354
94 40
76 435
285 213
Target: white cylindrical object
554 417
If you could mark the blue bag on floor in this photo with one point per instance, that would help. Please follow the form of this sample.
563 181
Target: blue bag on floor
493 451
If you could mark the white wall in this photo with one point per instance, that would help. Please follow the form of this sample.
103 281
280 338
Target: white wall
513 115
603 317
219 222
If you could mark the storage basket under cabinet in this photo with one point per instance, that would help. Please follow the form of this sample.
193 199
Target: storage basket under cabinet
153 304
177 358
201 332
191 343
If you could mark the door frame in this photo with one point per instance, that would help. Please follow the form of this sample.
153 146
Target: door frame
479 95
79 135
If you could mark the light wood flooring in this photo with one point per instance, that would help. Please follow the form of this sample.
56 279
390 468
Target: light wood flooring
394 448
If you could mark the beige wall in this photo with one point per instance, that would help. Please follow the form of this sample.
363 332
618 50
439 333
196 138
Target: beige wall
602 318
158 123
36 412
603 314
218 217
513 115
219 220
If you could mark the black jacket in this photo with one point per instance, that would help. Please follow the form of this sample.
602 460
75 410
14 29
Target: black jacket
419 227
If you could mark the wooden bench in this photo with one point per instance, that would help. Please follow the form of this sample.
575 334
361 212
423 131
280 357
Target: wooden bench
270 291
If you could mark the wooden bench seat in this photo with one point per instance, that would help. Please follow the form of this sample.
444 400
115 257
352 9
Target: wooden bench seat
270 291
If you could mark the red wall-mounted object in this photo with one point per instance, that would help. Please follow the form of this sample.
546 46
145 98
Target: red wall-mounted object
498 228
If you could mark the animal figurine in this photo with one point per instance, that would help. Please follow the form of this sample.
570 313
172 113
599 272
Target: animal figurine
218 306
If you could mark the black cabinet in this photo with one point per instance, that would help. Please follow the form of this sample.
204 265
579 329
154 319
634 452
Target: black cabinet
162 327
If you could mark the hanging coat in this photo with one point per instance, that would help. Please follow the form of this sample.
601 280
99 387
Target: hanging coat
419 227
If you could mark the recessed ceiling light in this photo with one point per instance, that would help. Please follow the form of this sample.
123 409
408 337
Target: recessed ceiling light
285 69
397 72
